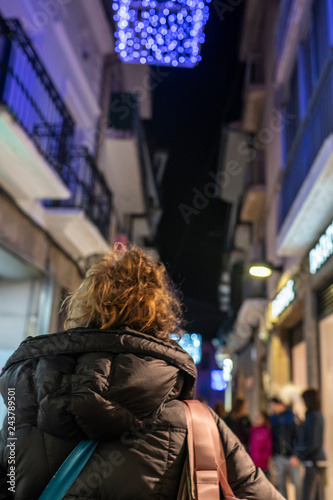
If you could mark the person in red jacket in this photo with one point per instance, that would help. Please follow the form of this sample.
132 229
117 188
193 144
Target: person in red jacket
260 442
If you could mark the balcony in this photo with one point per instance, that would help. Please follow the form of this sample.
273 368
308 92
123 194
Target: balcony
81 223
39 166
254 95
29 101
253 203
126 163
307 184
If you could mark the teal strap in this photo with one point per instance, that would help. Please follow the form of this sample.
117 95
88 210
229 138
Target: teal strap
68 471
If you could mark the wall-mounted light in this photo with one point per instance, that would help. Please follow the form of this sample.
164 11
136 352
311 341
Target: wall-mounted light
263 269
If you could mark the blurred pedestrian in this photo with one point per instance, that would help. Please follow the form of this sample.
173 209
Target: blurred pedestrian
284 437
239 422
310 449
219 408
260 442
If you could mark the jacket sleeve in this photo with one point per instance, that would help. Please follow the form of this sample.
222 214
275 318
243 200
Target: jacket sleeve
244 478
313 440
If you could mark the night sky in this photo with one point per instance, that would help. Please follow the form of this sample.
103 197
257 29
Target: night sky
189 108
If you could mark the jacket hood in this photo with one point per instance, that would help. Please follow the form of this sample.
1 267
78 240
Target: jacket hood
96 383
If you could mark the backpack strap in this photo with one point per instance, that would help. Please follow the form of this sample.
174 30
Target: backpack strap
206 454
68 471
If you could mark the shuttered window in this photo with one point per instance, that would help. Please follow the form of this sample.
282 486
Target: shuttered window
325 300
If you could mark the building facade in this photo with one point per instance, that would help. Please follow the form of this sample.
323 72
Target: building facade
294 226
75 171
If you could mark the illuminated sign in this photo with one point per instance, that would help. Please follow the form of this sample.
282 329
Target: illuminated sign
322 251
283 299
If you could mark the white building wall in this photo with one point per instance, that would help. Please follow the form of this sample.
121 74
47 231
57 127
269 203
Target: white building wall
84 44
271 134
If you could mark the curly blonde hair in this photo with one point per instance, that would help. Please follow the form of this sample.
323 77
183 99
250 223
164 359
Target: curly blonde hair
126 288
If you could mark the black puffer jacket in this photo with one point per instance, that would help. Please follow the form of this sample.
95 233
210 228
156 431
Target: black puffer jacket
121 388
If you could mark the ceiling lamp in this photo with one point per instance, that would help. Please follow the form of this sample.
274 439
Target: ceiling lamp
263 269
160 33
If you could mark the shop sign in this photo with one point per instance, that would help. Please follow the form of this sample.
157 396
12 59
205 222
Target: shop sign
283 299
322 251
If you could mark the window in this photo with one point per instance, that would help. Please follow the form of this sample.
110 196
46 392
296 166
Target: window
321 31
291 109
308 67
312 56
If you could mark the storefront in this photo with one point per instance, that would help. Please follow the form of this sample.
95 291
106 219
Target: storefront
326 368
287 363
302 333
324 306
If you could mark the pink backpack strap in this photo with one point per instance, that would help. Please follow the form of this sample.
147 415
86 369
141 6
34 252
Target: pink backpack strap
206 454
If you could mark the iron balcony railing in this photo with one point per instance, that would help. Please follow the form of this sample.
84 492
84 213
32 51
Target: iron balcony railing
28 93
88 187
316 126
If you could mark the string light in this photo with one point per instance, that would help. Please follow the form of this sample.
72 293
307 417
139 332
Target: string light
164 33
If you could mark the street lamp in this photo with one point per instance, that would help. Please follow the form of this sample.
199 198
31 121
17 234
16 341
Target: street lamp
263 269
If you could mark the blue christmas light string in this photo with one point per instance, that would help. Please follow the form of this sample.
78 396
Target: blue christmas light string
168 33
